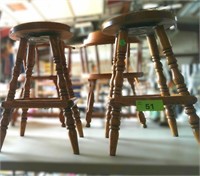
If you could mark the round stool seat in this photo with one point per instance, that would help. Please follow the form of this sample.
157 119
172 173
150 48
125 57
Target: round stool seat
99 38
138 23
40 29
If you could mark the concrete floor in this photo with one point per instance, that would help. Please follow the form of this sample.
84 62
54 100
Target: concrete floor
151 151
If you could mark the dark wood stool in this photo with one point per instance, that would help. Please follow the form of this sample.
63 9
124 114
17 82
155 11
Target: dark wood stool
96 39
149 23
30 35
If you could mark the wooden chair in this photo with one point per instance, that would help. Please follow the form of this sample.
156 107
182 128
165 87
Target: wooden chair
30 36
95 39
149 23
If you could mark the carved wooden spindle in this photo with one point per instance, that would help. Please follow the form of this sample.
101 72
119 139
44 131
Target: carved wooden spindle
86 60
127 69
140 114
109 108
55 45
92 87
98 86
92 84
90 102
37 61
61 115
162 82
82 60
75 110
72 131
139 57
15 111
97 59
17 69
69 59
4 125
117 90
131 81
13 86
27 84
178 79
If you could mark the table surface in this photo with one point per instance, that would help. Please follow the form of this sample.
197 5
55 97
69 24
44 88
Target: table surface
46 147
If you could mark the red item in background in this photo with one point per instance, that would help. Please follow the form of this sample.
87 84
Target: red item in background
4 32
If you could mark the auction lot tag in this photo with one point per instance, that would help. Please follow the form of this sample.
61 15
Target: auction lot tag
149 105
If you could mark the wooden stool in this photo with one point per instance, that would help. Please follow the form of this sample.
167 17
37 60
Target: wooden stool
36 78
95 39
39 77
149 23
30 35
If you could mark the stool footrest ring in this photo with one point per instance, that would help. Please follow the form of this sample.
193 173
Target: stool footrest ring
39 103
167 100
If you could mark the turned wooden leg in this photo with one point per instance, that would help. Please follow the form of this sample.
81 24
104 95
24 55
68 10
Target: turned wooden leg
90 102
15 112
76 115
4 125
178 80
109 108
193 120
114 129
72 132
75 110
69 86
141 118
140 114
12 90
23 122
64 95
162 83
108 117
117 90
61 116
27 84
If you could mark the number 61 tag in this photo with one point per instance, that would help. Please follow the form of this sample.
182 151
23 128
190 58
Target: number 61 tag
149 105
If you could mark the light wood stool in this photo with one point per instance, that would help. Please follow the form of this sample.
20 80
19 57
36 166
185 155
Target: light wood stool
30 35
39 77
149 23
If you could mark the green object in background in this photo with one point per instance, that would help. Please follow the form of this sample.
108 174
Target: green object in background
122 42
149 105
